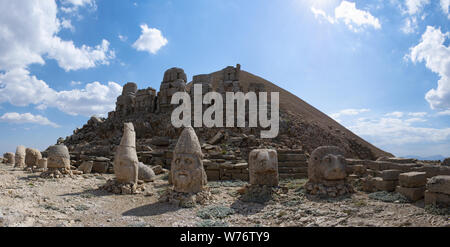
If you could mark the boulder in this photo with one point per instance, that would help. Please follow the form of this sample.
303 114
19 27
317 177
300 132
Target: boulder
9 158
86 167
413 194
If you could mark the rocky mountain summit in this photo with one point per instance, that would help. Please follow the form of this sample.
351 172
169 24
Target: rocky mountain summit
302 127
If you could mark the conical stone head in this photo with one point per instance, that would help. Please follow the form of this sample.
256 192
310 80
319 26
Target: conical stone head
187 172
129 136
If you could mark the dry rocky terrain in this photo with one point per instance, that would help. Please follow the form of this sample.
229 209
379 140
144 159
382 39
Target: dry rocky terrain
28 200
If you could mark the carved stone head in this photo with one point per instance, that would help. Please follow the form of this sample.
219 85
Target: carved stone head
327 163
58 157
187 172
263 167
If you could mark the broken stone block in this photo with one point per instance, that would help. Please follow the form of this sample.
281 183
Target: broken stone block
42 163
439 184
390 175
145 173
437 199
413 194
86 167
412 179
58 157
216 139
384 185
9 158
100 167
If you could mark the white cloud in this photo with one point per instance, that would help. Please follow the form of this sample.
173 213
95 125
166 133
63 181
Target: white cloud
417 114
355 19
445 5
415 6
348 112
151 40
67 24
396 114
28 31
436 56
444 113
318 13
410 25
20 88
388 131
71 6
14 117
122 38
415 120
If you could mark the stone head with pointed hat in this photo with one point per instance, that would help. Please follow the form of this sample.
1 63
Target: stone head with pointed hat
187 172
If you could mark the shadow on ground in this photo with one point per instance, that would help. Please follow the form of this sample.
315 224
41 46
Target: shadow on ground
151 209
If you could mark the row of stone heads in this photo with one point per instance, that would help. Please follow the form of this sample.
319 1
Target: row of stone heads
57 157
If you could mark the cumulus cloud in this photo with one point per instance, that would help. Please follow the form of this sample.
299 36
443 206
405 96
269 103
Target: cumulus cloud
19 88
14 117
151 40
355 19
348 112
436 55
28 34
29 31
410 25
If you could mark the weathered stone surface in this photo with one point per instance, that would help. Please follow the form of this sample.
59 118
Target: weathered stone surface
400 160
187 171
384 185
446 162
100 167
126 160
292 157
412 179
216 139
439 184
327 163
413 194
160 141
390 174
42 163
145 173
9 158
20 156
58 157
32 157
368 184
86 167
437 199
263 167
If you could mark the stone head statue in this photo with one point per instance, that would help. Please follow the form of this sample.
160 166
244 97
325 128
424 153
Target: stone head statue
187 172
126 160
263 167
20 156
58 157
327 163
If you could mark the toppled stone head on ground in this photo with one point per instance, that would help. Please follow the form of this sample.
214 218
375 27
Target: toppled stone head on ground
327 163
187 172
263 167
58 157
20 156
126 160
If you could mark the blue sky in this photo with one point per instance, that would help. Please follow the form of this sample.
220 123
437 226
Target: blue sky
381 68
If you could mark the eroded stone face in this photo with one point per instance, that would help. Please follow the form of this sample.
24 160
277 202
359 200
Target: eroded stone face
32 157
20 156
327 163
58 157
126 160
187 172
9 158
263 167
